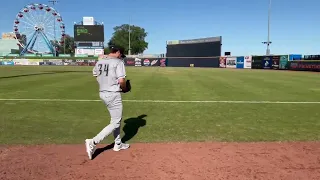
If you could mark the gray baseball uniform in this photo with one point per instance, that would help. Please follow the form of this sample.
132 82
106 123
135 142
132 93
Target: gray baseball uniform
107 72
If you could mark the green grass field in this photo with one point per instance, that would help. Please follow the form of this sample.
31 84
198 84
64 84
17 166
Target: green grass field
43 122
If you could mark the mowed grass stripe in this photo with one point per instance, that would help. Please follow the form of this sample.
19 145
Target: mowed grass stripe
66 122
172 84
165 101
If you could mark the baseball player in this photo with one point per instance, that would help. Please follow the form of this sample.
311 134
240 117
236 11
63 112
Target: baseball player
110 74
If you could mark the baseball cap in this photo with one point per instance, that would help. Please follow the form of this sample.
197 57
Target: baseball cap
114 48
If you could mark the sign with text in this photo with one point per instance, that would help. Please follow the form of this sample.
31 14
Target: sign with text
142 61
247 62
275 62
283 63
223 61
231 62
305 65
240 62
257 62
267 62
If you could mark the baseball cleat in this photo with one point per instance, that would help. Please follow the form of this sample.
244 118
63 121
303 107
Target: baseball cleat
90 147
121 146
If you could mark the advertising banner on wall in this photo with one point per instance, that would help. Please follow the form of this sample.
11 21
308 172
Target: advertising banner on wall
223 61
82 62
146 62
34 62
55 62
7 63
231 62
267 62
247 62
142 61
129 62
283 63
257 62
275 62
240 62
304 65
137 62
163 62
155 62
21 62
92 62
294 57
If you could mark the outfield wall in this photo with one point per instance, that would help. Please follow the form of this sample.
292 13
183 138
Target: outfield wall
81 62
278 62
193 62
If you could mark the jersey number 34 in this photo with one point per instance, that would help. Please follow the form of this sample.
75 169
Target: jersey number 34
105 68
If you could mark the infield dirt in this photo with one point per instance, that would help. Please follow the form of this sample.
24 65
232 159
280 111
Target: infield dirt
164 161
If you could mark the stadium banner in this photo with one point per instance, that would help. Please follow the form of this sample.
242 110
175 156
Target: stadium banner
283 63
6 62
256 62
92 62
267 62
54 62
163 62
247 62
240 62
129 62
293 57
142 61
21 62
305 65
82 62
34 62
137 62
223 61
70 62
231 62
275 62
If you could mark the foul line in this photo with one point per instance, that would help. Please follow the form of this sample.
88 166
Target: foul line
164 101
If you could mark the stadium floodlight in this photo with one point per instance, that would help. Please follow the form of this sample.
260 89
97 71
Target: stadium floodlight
268 42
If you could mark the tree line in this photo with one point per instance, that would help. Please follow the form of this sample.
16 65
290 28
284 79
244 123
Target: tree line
120 37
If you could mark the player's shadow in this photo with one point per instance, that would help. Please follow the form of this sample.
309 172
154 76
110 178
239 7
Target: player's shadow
130 129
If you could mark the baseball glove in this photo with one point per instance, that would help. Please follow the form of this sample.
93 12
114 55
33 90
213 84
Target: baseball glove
128 87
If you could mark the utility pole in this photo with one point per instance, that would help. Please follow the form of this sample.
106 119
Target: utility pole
54 2
268 41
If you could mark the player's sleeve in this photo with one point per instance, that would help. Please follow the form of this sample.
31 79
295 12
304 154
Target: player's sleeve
120 70
94 71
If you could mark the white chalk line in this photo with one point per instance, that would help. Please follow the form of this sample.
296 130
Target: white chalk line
165 101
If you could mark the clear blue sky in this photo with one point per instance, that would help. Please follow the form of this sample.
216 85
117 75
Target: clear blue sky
241 23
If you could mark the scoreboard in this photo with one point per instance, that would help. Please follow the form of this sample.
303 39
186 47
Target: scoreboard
89 40
204 47
89 33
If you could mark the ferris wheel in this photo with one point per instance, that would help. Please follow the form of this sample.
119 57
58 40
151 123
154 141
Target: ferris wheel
39 29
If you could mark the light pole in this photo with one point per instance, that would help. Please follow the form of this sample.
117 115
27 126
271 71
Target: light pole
129 51
268 41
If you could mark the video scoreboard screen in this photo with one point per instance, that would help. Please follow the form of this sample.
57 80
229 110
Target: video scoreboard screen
209 49
89 33
203 47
